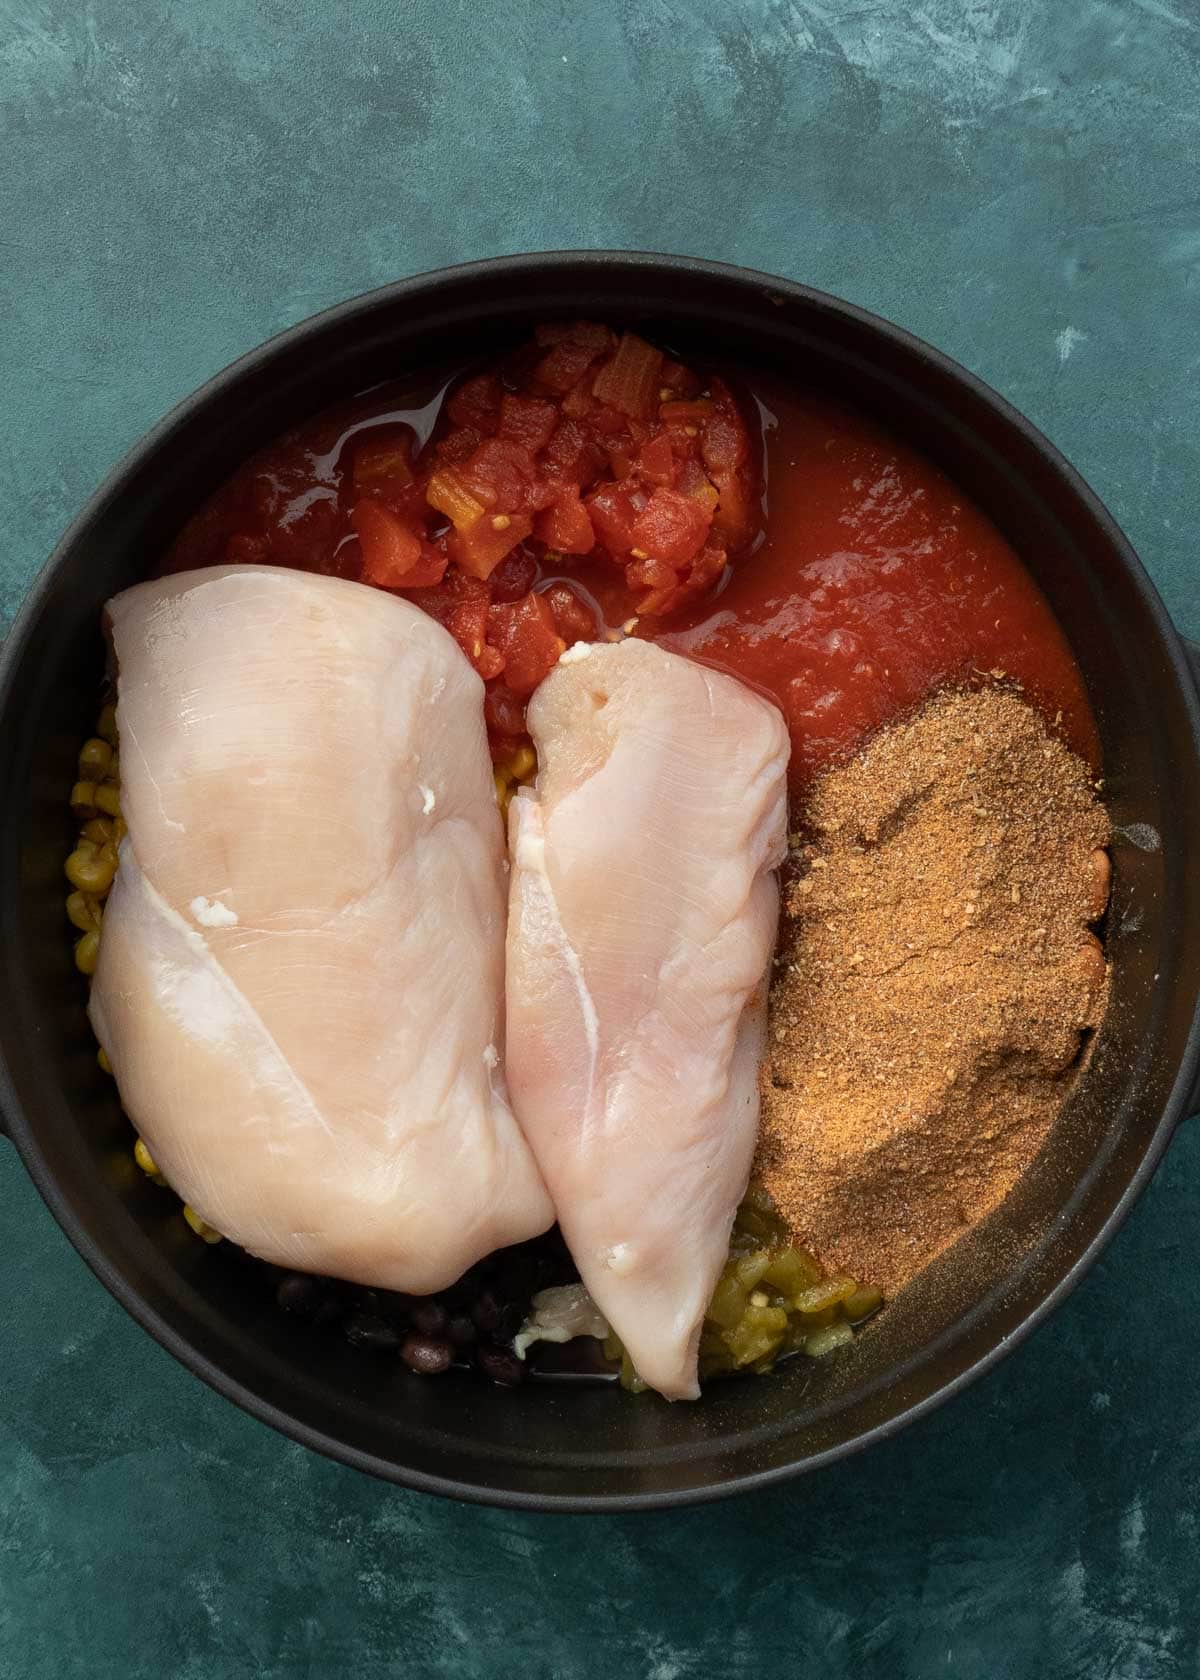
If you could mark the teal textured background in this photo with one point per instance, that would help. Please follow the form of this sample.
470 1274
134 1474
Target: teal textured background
1016 182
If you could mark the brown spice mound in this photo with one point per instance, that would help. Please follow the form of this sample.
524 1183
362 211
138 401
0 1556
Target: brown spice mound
935 979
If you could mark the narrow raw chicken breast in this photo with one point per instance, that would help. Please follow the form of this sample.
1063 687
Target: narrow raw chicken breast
642 918
301 968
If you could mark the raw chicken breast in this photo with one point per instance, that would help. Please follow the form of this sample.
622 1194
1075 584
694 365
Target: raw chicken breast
301 971
642 918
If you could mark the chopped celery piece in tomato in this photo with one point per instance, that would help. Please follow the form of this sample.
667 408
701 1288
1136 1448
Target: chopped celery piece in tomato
523 633
383 459
565 525
449 495
480 549
630 380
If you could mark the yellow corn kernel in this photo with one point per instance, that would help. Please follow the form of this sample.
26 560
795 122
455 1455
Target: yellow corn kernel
207 1233
95 756
83 912
106 727
100 830
106 1067
144 1158
522 764
91 868
83 800
108 799
87 953
500 781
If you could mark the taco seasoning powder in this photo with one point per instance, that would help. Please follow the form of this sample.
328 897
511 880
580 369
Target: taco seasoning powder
936 983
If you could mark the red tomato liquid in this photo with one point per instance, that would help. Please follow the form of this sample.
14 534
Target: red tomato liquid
877 580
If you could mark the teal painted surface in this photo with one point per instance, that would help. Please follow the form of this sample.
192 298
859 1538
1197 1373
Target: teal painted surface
1015 182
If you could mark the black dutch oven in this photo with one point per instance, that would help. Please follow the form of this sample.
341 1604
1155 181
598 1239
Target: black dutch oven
551 1446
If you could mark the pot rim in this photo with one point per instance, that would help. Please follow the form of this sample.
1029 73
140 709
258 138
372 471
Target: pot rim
507 270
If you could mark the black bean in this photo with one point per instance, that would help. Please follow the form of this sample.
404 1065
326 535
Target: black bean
429 1317
461 1330
486 1311
427 1355
500 1365
303 1294
367 1330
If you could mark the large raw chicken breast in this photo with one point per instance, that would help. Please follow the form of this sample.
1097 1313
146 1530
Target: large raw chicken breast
301 973
642 920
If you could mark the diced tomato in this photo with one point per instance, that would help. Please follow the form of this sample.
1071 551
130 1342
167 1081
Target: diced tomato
664 597
514 576
680 381
504 476
612 511
565 525
656 461
608 422
671 527
383 457
579 403
457 447
571 455
724 445
658 576
481 547
593 335
503 713
573 618
562 367
620 460
467 622
692 480
687 413
476 403
630 380
393 554
528 421
524 633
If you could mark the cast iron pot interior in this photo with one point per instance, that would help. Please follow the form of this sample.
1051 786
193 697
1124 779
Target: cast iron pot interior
550 1446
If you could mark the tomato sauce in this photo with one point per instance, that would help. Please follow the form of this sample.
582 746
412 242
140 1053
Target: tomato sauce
877 582
591 486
